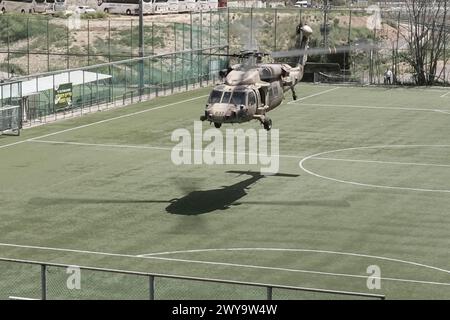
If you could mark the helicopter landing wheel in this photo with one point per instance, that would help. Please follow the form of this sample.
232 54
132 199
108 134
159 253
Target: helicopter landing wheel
217 125
267 124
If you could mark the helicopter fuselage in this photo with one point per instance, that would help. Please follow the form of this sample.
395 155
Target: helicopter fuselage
249 94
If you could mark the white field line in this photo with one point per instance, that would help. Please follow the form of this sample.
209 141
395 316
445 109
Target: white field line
299 250
384 162
237 265
371 107
443 111
101 121
320 154
144 147
313 95
12 144
120 146
445 94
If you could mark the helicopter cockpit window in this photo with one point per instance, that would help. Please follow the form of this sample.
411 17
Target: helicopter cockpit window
215 96
238 98
226 97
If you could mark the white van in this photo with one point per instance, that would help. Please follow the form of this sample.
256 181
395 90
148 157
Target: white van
301 4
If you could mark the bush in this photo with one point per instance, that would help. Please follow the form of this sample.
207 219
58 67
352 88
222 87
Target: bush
94 15
17 69
13 27
61 15
128 36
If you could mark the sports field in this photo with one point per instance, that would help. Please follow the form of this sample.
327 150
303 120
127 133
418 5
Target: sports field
372 188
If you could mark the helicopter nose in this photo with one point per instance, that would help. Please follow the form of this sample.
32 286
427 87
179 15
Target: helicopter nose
220 112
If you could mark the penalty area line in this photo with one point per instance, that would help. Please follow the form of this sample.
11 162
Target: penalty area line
383 162
371 107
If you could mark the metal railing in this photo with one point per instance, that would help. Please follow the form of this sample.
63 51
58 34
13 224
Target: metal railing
152 288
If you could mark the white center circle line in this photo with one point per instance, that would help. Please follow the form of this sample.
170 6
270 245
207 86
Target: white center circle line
321 154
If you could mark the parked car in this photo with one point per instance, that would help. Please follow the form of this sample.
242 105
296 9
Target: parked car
84 9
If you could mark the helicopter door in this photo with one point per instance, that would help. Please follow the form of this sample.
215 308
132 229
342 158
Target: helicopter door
275 95
263 95
252 105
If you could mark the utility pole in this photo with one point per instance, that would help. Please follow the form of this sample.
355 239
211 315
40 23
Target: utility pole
141 48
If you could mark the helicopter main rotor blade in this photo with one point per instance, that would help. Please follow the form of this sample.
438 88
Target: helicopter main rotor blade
236 55
320 51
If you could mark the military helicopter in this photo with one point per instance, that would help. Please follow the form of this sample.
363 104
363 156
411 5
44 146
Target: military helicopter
251 89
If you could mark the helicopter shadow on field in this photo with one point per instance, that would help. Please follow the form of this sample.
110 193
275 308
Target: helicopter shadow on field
206 201
198 202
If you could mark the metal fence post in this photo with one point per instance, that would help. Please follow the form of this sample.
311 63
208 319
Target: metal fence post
210 43
153 37
251 28
151 287
131 39
88 42
175 36
275 32
48 44
28 45
269 293
161 73
200 62
172 66
43 282
445 43
218 24
109 40
112 86
7 47
82 100
98 95
228 30
67 47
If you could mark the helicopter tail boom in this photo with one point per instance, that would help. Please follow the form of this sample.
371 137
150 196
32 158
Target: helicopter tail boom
305 32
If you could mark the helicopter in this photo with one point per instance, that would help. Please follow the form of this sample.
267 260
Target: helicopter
251 89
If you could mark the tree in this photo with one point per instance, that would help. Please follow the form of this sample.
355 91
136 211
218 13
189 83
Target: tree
426 36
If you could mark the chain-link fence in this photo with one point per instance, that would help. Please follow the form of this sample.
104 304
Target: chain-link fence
373 39
364 43
50 96
22 279
32 44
